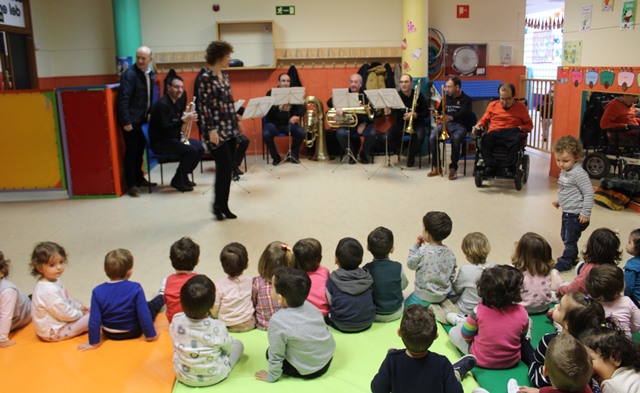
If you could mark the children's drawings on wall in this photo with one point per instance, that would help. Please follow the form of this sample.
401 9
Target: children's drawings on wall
585 20
576 76
572 53
607 5
563 75
591 77
606 77
627 21
625 78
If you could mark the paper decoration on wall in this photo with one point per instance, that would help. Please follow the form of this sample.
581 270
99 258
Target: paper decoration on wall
405 66
411 28
607 5
542 47
404 44
576 76
572 53
415 55
606 77
585 20
591 77
563 75
625 78
628 15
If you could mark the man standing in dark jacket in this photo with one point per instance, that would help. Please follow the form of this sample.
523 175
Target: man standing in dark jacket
133 103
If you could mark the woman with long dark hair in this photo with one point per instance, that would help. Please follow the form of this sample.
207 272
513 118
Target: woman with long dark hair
219 123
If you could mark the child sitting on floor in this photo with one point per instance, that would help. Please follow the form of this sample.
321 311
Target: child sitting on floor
476 248
203 351
532 257
300 343
632 268
494 331
119 306
349 290
605 283
15 306
308 253
184 255
616 360
276 254
388 276
603 246
434 263
415 368
56 316
233 304
568 366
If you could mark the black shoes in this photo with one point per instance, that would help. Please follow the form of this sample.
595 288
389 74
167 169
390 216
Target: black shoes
276 161
145 183
411 162
133 192
351 160
363 158
488 171
180 185
222 212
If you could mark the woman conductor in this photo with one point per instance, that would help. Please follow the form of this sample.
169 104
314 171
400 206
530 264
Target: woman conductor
219 121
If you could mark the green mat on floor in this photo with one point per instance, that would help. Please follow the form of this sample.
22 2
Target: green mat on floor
495 381
355 362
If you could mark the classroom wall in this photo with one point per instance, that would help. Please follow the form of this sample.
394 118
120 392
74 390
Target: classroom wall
605 44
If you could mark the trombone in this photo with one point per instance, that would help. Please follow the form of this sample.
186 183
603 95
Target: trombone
444 135
408 128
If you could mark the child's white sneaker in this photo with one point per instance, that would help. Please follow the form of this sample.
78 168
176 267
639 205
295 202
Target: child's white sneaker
479 390
455 319
556 280
513 386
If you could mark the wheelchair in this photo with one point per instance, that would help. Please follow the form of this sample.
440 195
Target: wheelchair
521 174
611 150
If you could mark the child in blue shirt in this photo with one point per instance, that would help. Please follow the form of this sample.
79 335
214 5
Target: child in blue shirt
119 307
632 268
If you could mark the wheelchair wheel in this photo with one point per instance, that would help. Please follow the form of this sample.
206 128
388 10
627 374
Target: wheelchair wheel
597 165
478 180
525 168
519 178
632 172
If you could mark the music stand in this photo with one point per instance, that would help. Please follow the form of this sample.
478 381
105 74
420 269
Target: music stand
288 96
343 98
378 101
257 108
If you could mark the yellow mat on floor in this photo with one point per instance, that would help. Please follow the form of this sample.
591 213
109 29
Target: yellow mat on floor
116 366
355 362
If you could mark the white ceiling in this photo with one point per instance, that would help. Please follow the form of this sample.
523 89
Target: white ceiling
543 5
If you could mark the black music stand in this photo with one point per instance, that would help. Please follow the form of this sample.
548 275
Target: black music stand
342 98
257 108
288 96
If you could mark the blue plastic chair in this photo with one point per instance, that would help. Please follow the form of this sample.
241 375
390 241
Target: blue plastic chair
154 158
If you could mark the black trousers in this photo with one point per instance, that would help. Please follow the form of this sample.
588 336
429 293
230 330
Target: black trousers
190 155
224 157
509 138
394 137
288 369
134 144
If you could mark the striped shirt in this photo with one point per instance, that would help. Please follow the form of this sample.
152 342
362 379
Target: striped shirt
575 192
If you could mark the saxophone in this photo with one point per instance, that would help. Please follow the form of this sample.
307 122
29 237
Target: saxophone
314 128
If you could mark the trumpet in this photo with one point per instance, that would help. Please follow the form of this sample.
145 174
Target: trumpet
185 132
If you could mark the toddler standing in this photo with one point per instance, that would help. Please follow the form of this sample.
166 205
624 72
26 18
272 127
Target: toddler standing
532 257
276 254
388 276
233 304
434 263
632 268
203 351
119 306
56 316
476 248
184 255
575 198
15 306
308 253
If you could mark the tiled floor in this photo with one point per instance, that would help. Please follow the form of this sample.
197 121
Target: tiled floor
303 202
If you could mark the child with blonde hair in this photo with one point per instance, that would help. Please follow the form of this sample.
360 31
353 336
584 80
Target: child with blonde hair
476 248
56 316
233 305
533 258
308 253
276 254
632 268
120 309
15 306
606 283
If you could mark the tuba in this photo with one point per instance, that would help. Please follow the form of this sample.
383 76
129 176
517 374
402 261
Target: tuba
314 128
350 116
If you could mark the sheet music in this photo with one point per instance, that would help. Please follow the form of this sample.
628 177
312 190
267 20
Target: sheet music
392 98
288 95
375 98
238 104
343 98
258 107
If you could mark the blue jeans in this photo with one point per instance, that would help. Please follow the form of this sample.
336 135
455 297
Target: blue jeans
456 132
369 134
270 131
570 233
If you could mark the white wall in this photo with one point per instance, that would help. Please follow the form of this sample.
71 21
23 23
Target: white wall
605 44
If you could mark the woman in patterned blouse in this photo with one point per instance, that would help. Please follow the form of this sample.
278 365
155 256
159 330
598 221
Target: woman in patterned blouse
220 124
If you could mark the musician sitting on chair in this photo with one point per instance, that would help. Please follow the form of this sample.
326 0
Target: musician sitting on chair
283 119
621 113
420 112
364 127
165 126
456 118
507 119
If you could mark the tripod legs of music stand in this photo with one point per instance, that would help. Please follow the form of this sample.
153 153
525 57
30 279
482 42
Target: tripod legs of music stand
387 162
402 168
255 152
289 156
349 154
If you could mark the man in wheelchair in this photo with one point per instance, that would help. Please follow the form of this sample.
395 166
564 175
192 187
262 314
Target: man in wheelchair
507 119
620 120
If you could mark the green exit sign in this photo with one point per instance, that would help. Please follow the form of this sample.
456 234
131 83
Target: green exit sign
285 10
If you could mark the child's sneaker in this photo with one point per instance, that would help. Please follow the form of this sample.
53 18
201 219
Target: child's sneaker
448 306
579 267
479 390
513 386
556 280
464 365
455 319
440 314
528 335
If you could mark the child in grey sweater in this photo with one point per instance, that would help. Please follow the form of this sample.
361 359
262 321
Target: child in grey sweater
300 343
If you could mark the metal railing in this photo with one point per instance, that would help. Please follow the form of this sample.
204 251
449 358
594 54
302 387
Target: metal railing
539 95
